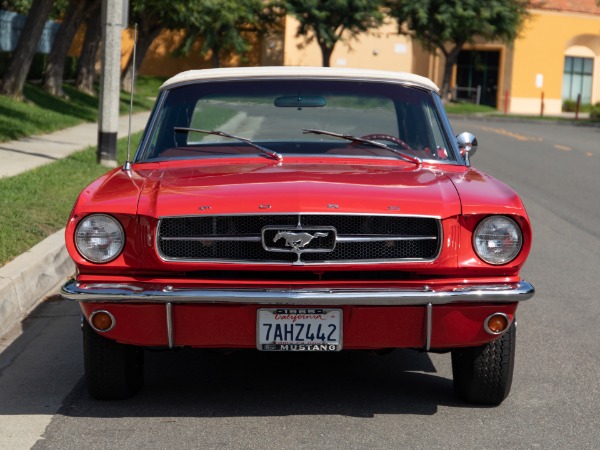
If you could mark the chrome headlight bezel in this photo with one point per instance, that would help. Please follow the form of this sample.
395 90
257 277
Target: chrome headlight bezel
497 240
98 223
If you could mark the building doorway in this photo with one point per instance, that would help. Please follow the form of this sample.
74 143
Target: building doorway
477 76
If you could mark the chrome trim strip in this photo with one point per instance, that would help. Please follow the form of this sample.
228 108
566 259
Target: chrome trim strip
290 156
383 238
213 238
340 238
448 132
428 312
161 293
149 129
366 262
169 308
292 213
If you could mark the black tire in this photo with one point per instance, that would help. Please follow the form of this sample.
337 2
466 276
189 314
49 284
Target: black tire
113 371
483 375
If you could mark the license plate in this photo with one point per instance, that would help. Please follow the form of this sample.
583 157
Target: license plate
299 330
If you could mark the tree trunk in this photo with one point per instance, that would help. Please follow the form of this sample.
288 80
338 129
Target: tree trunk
451 59
86 68
326 53
18 67
216 61
145 39
53 75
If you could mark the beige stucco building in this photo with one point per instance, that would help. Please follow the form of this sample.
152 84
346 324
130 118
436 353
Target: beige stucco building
556 57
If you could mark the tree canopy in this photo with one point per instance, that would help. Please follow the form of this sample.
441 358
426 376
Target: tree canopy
23 6
331 21
447 25
152 16
225 25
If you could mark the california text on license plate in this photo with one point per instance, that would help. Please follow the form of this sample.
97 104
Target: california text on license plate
299 329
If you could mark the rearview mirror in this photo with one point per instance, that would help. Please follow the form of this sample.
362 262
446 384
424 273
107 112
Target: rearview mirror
300 101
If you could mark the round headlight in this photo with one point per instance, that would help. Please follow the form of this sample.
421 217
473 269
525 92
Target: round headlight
497 240
99 238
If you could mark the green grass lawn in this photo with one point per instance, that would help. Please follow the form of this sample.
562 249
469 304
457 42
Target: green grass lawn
148 86
37 203
43 113
468 108
471 108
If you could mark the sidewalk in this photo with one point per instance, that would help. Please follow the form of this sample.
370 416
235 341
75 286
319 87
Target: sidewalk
25 281
30 152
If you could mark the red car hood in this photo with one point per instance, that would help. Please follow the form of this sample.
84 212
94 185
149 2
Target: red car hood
323 187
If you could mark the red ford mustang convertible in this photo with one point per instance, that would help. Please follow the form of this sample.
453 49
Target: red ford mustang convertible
299 209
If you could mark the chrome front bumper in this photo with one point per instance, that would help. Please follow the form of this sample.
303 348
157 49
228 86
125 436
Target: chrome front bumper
424 295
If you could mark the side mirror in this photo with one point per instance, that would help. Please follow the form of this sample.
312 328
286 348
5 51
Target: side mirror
467 144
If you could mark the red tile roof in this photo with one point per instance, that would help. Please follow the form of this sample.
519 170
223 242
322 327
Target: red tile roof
582 6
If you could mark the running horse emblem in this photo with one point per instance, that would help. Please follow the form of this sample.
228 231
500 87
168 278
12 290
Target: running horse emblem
298 240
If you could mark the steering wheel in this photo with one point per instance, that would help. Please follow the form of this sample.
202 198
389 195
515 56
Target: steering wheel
387 137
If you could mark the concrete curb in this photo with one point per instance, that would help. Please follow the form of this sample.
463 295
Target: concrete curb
25 281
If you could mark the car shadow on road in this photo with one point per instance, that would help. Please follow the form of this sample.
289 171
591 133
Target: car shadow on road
41 371
201 383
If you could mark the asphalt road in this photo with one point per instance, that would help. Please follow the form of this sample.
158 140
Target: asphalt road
199 399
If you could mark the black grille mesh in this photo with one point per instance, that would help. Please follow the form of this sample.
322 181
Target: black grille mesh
251 226
221 225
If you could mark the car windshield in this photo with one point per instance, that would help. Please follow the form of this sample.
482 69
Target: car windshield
297 117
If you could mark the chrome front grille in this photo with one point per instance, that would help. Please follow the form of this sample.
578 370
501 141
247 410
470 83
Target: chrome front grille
349 238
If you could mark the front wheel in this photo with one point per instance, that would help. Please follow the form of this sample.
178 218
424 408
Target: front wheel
113 371
483 375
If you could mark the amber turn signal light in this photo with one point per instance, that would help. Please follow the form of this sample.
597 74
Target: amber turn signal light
497 323
102 321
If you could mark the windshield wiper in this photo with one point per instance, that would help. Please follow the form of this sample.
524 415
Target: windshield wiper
359 140
271 153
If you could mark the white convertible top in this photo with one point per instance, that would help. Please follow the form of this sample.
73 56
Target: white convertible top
297 72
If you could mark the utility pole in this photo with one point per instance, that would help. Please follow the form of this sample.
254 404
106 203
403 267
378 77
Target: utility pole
113 18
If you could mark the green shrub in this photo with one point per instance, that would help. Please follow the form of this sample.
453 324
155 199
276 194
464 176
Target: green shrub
568 106
595 112
571 106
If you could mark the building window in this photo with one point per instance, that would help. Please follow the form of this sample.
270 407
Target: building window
577 79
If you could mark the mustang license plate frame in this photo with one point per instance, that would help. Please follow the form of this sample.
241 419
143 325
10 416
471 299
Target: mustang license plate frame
299 329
